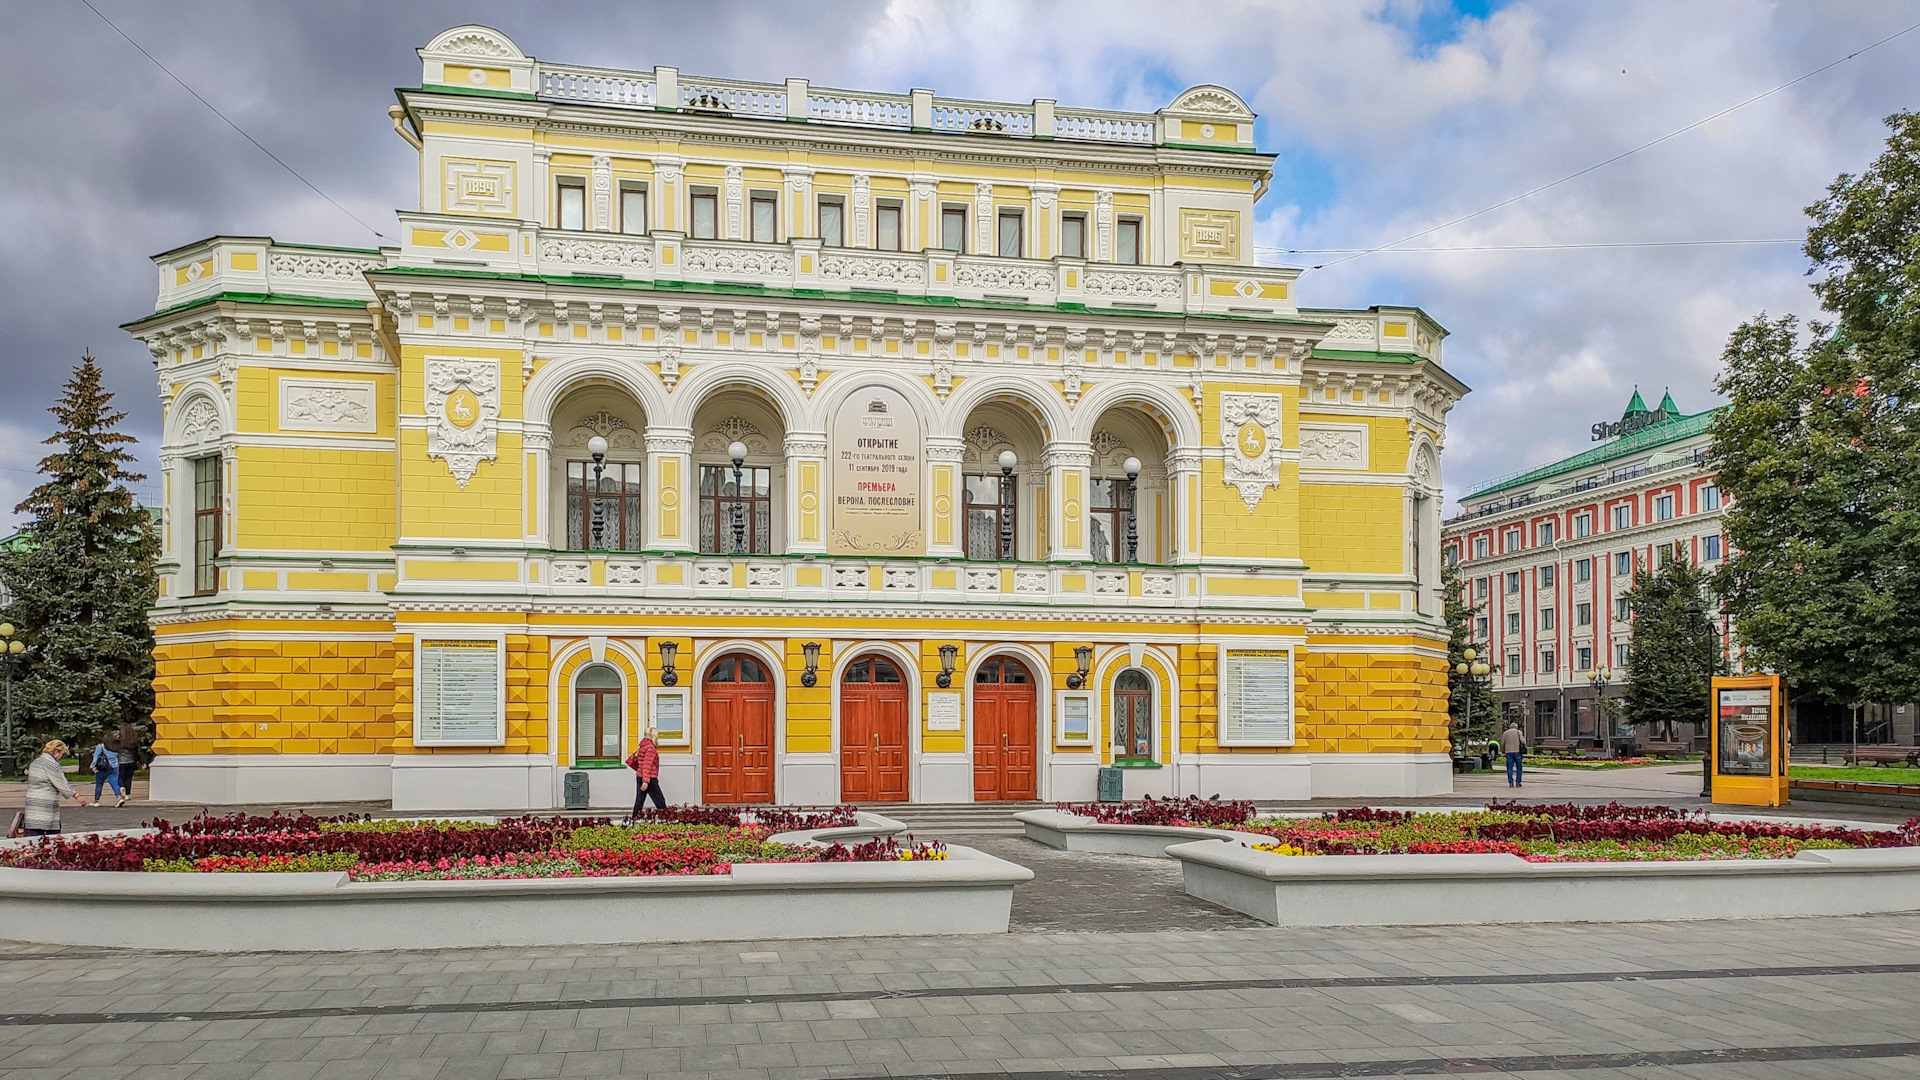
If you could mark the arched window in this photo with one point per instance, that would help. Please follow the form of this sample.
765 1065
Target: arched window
872 669
1132 715
596 713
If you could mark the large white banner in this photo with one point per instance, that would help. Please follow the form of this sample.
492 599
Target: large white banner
877 451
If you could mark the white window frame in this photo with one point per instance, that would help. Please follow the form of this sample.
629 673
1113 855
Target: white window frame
820 220
685 694
499 643
694 195
881 208
756 198
564 183
632 187
1223 737
1081 218
1663 507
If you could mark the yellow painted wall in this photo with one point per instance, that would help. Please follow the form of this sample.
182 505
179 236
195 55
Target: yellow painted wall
1353 528
259 695
319 500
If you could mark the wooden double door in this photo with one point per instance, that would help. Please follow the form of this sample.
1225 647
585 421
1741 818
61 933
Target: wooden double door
873 732
736 732
1004 731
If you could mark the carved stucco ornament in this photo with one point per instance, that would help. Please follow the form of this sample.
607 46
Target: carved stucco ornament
463 413
1250 431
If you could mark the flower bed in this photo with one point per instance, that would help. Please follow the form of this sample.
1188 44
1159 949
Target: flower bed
1191 811
676 841
1563 833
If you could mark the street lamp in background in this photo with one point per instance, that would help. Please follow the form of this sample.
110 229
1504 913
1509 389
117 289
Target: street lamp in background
1472 669
1133 508
11 649
1598 678
1007 496
597 447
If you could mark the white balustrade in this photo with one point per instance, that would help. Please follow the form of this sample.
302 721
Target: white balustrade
598 86
854 107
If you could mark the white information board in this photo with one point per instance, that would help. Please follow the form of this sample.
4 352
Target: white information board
1074 708
943 710
458 689
1256 697
670 715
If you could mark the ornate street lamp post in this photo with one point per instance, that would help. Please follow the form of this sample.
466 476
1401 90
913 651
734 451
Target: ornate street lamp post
1598 679
737 450
1008 494
1132 466
11 649
1472 669
597 447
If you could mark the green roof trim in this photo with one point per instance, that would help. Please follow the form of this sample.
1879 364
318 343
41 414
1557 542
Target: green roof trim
329 247
1636 405
1647 438
284 299
1362 354
1667 406
730 289
469 91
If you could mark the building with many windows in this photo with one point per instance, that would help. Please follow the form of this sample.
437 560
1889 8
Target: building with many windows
867 446
1547 556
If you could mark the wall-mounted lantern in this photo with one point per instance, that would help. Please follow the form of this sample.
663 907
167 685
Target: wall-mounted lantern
948 653
1083 661
810 676
668 650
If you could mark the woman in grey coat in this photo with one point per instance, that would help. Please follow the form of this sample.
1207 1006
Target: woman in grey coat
46 786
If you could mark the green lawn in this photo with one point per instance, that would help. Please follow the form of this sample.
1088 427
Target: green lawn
1596 763
1881 774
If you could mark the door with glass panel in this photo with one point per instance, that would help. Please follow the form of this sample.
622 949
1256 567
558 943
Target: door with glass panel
596 714
1132 715
873 732
1004 727
736 732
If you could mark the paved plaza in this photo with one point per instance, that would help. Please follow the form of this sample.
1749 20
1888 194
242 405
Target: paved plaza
1109 971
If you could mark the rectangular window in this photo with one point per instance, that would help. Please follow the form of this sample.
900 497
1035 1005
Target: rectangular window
1544 533
1126 241
1583 616
1546 618
1513 540
766 217
1709 498
1480 588
619 498
833 231
573 203
1622 609
953 229
1513 581
633 209
706 215
1073 235
1583 659
1620 655
1622 563
1623 516
1480 627
1545 574
991 525
1666 554
1582 526
1547 665
1513 664
1583 570
1663 508
207 503
736 520
1710 549
1479 547
1108 514
1513 622
886 227
1010 234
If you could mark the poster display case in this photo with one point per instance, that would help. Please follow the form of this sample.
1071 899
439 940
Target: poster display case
1747 753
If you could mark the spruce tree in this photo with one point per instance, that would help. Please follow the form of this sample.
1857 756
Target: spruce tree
82 578
1674 653
1459 610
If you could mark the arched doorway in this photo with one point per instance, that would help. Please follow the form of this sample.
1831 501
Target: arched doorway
596 714
1133 715
873 731
736 725
1004 724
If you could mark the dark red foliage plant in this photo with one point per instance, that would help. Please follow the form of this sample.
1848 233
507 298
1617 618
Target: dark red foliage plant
1191 810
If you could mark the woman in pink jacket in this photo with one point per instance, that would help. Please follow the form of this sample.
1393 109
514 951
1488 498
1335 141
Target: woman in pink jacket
645 763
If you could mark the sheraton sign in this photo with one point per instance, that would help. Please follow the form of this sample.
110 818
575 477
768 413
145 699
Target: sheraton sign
1629 424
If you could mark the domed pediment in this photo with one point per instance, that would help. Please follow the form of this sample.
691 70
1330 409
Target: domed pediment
1212 101
474 41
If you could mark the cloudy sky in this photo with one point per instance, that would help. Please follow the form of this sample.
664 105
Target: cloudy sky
1389 116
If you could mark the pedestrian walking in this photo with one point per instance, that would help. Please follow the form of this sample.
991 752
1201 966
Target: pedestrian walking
106 772
645 763
1513 744
46 786
130 754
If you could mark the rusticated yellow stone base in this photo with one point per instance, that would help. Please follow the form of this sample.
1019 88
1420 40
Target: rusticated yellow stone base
254 696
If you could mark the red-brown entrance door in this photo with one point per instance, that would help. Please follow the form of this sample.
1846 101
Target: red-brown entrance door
736 724
1003 730
873 732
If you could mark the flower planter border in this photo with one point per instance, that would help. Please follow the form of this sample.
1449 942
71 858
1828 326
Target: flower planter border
1071 832
969 892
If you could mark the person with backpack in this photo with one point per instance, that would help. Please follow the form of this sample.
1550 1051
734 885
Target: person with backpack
645 763
130 760
106 772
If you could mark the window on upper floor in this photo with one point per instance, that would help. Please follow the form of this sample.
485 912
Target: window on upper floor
886 226
1665 552
1583 659
1663 508
1126 241
571 198
1513 540
1547 664
633 208
206 524
1622 563
1513 581
1479 547
1513 622
765 214
1544 575
1545 533
1546 618
1622 609
1623 516
736 517
1710 549
1480 627
706 215
992 528
1073 235
1710 497
1582 526
1583 616
833 232
603 512
1583 570
1114 532
953 229
1513 664
1480 588
1620 655
1011 234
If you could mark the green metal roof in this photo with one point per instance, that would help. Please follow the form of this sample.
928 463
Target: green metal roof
1647 438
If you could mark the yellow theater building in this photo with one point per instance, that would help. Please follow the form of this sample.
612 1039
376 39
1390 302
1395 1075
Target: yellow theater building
868 446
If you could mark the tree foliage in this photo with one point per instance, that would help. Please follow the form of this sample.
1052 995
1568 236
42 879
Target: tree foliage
82 577
1820 450
1459 611
1674 653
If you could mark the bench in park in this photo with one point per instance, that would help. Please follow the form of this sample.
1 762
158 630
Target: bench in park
1883 755
1667 749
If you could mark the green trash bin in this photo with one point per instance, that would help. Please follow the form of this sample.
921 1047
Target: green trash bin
576 790
1111 788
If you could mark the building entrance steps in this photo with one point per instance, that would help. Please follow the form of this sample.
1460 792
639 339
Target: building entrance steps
956 821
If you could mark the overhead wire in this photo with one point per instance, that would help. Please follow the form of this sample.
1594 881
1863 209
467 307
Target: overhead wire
229 121
1623 154
1530 247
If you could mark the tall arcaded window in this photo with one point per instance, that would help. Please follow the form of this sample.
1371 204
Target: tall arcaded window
736 520
206 524
620 500
991 526
1115 536
1132 715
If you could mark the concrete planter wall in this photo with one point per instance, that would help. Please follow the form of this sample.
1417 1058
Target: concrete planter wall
1071 832
969 892
1429 890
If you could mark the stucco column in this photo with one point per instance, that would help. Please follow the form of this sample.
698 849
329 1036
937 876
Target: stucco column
806 453
536 440
670 472
1068 465
946 502
1183 484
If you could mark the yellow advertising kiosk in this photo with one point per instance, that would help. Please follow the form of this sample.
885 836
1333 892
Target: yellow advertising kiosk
1748 754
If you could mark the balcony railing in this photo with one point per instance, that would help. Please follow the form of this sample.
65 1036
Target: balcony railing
1585 483
762 578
